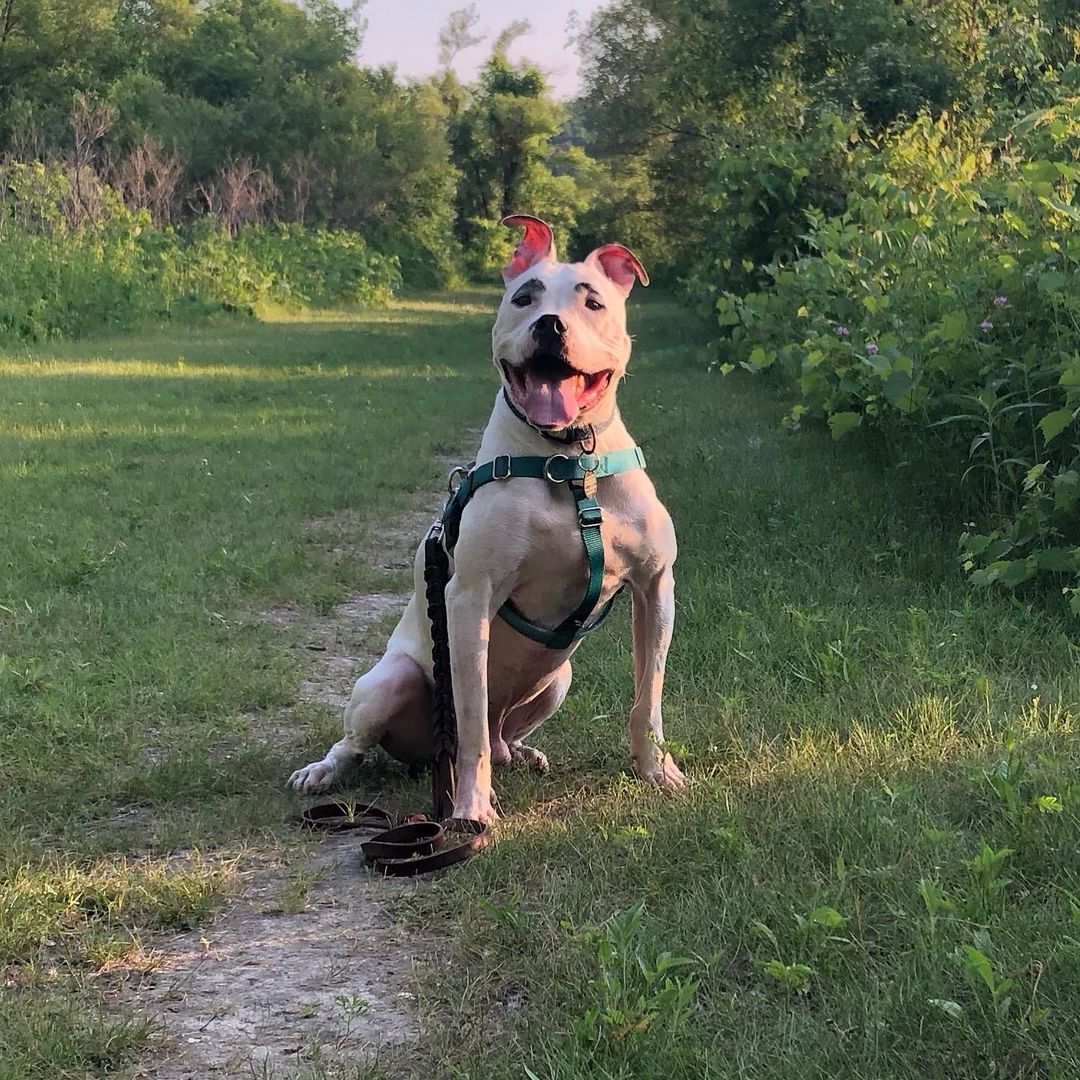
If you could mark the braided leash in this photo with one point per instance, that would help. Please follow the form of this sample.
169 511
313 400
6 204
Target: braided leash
444 717
419 846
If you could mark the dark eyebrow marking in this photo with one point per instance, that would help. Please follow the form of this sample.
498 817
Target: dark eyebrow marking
533 285
586 286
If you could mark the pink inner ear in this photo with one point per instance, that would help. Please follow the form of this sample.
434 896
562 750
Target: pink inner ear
537 244
621 265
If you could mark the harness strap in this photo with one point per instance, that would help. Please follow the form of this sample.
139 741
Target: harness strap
421 846
556 469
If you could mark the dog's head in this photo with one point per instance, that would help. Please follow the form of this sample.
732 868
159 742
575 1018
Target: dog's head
560 340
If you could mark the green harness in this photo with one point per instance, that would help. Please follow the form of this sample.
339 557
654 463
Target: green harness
581 473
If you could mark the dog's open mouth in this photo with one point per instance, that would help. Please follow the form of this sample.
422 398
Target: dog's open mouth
551 392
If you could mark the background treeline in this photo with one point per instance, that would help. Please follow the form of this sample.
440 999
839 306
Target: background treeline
156 154
876 201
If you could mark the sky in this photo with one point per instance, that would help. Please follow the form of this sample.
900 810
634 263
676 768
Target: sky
405 33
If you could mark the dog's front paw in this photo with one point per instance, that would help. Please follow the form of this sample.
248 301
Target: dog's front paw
661 770
475 806
314 778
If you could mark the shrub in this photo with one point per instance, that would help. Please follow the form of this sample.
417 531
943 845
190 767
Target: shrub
944 299
64 280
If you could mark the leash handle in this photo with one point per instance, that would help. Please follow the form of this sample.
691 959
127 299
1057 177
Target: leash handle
406 850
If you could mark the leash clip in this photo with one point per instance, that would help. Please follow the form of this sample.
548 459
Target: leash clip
458 473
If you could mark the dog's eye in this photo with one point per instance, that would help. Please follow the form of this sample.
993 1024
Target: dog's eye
522 300
593 304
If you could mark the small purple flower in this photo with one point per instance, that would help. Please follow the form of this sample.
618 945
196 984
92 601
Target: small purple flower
871 348
842 331
1000 301
986 324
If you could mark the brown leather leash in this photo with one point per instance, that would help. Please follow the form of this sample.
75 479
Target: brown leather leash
418 845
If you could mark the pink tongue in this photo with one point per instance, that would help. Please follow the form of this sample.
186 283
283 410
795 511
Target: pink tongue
550 402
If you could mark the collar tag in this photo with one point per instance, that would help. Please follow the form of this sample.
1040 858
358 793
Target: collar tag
589 463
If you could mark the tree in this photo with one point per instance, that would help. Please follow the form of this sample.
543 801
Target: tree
499 140
458 33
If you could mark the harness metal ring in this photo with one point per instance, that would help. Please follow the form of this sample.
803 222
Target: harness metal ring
547 469
459 473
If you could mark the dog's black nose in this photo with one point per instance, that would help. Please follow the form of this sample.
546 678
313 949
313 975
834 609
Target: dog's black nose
548 326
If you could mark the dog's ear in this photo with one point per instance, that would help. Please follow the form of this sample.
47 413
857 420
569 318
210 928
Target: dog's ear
537 244
620 265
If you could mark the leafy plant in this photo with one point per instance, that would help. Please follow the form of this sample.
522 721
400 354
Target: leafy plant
936 903
986 869
634 992
793 977
120 270
814 929
982 978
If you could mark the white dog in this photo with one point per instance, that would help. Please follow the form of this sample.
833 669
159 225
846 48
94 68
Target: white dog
561 348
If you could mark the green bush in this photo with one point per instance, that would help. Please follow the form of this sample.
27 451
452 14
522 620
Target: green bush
289 264
944 301
64 280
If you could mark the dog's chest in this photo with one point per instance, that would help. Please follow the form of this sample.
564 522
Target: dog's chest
553 572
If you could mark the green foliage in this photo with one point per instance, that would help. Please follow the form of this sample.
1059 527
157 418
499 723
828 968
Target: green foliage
944 299
68 280
289 264
877 204
499 135
254 110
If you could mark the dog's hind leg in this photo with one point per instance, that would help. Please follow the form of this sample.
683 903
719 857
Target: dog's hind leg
526 718
391 704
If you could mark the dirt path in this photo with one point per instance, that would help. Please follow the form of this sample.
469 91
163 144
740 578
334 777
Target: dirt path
308 973
308 970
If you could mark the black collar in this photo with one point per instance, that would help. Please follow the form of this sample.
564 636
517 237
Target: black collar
565 435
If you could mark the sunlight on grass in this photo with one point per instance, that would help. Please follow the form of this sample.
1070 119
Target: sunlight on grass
94 911
60 432
443 307
145 369
478 302
930 731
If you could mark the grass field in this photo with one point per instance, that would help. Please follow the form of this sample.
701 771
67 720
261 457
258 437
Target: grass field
875 873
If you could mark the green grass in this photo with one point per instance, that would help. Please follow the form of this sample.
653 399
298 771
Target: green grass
155 493
856 722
